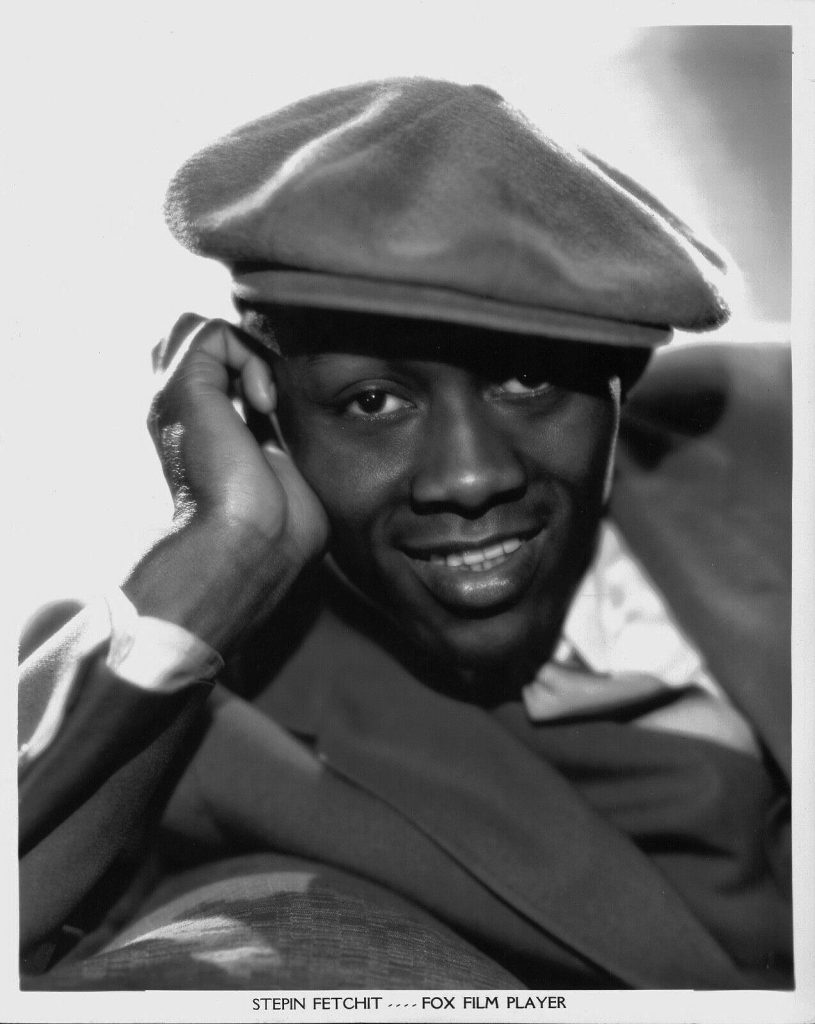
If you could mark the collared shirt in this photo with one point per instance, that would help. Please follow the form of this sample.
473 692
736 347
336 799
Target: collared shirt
621 647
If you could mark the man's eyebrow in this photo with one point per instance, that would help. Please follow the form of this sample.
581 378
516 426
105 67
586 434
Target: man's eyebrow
324 356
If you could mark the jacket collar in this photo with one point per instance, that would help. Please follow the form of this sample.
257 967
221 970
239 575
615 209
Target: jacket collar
495 807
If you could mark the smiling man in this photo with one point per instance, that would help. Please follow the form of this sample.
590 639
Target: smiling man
463 474
486 714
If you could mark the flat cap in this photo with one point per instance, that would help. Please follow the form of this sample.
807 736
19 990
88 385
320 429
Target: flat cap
429 199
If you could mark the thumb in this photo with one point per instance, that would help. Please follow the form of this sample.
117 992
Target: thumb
281 464
273 452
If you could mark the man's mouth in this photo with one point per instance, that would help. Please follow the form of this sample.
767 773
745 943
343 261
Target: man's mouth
477 559
470 576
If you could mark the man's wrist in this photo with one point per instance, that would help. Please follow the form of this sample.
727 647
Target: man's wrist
212 577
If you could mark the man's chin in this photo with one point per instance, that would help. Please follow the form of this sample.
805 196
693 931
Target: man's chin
487 650
486 659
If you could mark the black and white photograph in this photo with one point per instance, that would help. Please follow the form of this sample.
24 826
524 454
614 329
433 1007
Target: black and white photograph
410 430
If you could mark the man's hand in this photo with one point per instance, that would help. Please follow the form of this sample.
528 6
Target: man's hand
246 522
215 468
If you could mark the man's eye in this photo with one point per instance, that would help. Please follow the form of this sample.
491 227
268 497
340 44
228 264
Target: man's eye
375 403
524 384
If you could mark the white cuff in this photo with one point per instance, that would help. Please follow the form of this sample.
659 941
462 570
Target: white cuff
152 654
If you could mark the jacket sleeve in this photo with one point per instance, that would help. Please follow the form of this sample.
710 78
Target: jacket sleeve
101 727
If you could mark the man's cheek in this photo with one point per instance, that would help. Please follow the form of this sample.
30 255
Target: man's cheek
345 492
354 483
576 449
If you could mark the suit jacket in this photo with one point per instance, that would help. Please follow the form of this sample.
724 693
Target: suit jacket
336 753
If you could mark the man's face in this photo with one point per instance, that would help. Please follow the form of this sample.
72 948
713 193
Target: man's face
462 472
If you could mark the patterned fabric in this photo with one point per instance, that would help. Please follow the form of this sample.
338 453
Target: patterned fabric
618 621
268 922
622 655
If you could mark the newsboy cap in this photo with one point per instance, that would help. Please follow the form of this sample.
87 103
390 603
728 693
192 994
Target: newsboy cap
422 198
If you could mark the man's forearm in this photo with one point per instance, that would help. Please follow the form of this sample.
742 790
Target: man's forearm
212 580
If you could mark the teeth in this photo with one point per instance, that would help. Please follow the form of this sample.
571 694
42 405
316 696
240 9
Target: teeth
488 563
479 559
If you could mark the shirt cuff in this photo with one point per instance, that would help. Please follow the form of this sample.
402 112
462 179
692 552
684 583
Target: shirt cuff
151 654
154 654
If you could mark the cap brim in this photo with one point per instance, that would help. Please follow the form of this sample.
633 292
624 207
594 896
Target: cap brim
390 298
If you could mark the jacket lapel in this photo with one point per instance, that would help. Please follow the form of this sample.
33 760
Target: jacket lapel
694 505
496 808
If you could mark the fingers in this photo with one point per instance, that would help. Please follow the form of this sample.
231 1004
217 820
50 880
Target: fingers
258 386
199 363
192 335
224 344
181 331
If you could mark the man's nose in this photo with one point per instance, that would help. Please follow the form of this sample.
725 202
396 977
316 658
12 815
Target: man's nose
466 461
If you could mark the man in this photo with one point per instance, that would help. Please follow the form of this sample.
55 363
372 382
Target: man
496 737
